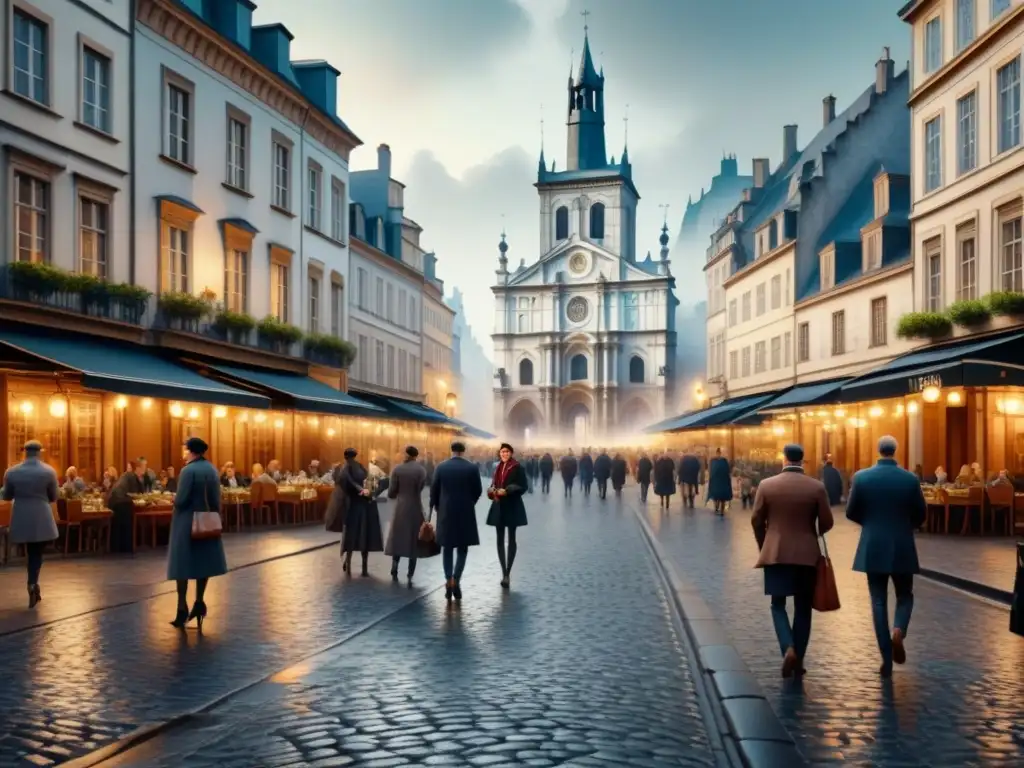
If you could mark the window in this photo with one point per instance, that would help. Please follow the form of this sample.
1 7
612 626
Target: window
933 154
967 133
179 124
525 373
761 303
391 365
31 217
803 342
562 223
279 304
237 151
1008 105
378 308
636 370
839 333
314 304
403 308
337 309
933 45
362 299
631 319
933 275
379 360
733 313
873 250
597 221
828 269
787 346
734 364
746 361
338 209
95 90
964 23
282 176
1011 266
31 58
174 253
967 263
235 280
789 299
776 291
776 352
578 368
773 234
998 6
746 306
413 319
389 307
362 353
760 353
881 196
879 322
93 227
313 191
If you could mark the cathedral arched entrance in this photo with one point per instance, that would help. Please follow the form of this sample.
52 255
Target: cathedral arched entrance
524 422
578 424
635 415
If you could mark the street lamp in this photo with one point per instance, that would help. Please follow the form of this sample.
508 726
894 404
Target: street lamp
700 395
450 403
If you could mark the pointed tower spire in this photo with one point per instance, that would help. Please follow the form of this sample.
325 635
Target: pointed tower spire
541 165
586 145
664 234
502 254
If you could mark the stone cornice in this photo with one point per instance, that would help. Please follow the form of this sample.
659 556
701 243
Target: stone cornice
180 27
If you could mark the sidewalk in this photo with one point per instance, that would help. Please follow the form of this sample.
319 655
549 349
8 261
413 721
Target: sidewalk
989 562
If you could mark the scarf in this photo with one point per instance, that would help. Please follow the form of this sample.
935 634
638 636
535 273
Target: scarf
501 472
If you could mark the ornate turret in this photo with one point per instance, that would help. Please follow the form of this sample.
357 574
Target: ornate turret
586 147
503 255
664 241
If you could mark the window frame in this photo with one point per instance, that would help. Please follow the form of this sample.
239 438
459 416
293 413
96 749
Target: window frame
314 298
967 133
932 251
170 79
932 184
967 233
339 215
839 333
313 167
1002 148
34 15
827 268
1011 214
558 214
597 214
279 141
22 163
233 171
86 46
879 331
99 194
965 34
928 65
280 296
238 241
803 342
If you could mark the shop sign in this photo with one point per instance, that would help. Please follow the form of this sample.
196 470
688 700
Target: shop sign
921 383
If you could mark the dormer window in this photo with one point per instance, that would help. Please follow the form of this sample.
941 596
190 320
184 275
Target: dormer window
828 268
773 235
881 195
871 243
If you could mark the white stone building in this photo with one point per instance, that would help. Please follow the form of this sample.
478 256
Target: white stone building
584 338
241 166
65 134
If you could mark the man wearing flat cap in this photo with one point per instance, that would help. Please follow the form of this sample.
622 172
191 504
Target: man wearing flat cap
32 486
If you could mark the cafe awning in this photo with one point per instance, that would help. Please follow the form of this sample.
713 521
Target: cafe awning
991 362
717 415
405 410
812 393
471 431
301 393
127 369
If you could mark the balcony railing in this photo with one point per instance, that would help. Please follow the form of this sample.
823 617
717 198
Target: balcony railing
42 285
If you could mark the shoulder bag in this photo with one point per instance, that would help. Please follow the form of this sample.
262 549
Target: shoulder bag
826 592
206 524
427 545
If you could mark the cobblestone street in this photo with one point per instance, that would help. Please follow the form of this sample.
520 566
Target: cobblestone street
956 702
580 664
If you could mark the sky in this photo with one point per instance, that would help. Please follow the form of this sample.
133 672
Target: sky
464 91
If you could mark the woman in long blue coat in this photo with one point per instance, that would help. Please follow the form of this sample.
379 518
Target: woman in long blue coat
719 482
188 558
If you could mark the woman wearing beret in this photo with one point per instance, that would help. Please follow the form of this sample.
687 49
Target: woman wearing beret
507 509
189 558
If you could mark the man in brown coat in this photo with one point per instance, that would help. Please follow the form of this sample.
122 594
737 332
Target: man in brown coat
790 511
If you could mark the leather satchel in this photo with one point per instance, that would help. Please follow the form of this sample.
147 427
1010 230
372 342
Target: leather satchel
206 524
826 592
427 545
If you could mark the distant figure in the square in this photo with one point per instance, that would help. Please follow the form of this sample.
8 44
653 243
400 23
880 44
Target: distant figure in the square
833 481
602 471
689 478
568 466
547 469
586 472
664 479
719 482
619 470
644 470
32 486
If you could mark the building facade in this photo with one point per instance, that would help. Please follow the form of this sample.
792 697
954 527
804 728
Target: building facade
584 337
474 368
441 384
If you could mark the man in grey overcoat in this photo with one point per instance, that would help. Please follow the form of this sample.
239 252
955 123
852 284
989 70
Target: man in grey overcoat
406 485
32 486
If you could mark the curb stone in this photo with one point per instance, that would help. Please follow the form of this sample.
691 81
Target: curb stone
751 726
976 588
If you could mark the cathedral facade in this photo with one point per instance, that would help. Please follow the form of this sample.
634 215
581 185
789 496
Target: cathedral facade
584 338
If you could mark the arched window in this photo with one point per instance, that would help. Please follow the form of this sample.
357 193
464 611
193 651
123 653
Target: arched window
636 370
525 373
773 235
597 221
562 223
578 368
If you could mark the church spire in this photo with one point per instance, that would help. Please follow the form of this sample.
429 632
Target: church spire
586 146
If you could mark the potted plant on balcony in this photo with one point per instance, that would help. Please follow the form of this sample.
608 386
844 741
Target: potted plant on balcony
277 335
1008 303
321 347
924 325
92 293
234 326
131 300
969 313
183 310
34 280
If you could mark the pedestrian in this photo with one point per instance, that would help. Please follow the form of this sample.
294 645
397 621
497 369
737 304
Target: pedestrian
454 494
719 482
123 508
428 465
644 468
32 486
568 466
359 511
190 558
689 478
507 512
887 502
833 481
664 479
791 511
602 471
618 473
547 469
531 471
586 472
408 480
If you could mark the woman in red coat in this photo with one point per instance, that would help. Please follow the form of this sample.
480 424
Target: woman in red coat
507 509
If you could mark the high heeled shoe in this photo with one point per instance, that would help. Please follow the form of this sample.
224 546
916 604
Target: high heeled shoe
181 619
34 595
346 564
198 613
456 590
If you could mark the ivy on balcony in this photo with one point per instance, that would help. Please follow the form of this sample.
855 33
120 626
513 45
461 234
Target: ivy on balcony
44 284
329 350
968 313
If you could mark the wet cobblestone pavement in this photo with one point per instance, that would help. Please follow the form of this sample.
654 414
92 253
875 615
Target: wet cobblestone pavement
580 664
957 702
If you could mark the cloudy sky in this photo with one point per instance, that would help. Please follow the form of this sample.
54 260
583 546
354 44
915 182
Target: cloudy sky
458 89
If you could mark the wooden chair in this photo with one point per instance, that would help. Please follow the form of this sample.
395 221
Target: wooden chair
975 499
291 502
263 501
1000 499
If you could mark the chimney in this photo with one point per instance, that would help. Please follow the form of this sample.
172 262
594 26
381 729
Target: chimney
885 71
828 110
760 172
384 159
788 142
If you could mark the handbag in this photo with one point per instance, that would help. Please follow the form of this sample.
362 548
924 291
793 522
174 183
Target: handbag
426 544
826 593
206 524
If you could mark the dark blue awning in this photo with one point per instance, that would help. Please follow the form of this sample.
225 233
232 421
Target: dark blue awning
472 431
716 415
301 392
406 410
812 393
128 369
